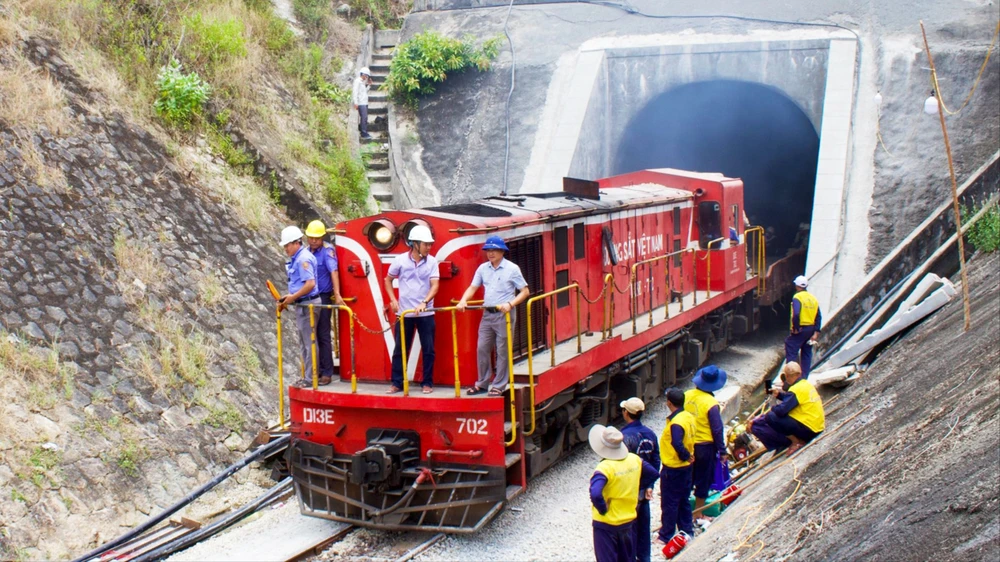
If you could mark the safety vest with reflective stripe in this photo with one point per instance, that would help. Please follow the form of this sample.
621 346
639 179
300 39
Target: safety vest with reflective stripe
698 403
621 492
809 412
668 456
808 307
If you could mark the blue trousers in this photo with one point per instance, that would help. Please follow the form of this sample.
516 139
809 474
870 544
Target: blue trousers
424 326
641 530
675 505
703 470
324 340
797 348
773 431
614 543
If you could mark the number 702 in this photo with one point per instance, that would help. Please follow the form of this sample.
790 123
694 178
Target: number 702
475 426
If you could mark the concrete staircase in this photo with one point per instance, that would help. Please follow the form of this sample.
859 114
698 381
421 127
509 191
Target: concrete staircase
377 148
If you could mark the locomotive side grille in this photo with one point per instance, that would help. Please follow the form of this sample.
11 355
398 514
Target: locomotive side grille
527 254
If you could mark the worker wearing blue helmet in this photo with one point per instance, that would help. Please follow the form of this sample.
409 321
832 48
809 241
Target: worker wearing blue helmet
504 288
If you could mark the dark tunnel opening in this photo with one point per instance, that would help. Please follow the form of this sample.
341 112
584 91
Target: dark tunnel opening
743 130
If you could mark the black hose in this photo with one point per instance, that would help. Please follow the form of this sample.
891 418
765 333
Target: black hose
150 523
206 532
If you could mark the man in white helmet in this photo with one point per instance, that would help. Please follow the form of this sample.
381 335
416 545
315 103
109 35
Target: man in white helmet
804 326
416 274
301 268
359 96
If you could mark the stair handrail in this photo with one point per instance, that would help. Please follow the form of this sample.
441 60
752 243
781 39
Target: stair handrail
552 340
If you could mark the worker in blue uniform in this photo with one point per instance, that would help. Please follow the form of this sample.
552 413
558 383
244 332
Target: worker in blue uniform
328 285
301 269
709 444
614 494
797 418
677 454
804 327
642 441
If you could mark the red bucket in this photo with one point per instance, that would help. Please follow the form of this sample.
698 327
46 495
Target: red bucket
730 494
675 545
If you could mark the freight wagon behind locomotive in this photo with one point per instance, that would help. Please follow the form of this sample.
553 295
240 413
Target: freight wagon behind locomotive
635 279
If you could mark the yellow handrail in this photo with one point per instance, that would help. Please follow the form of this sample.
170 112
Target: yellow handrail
281 374
761 256
633 278
510 385
607 312
454 344
552 341
312 323
708 272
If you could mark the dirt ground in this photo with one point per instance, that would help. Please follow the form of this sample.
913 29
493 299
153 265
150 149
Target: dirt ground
909 467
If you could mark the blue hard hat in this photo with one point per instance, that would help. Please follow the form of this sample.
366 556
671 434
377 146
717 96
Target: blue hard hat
495 243
710 378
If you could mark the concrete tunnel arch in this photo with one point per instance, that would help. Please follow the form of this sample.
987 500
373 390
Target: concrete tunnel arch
741 129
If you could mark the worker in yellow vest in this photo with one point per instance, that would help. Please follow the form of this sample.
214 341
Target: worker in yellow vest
614 493
804 327
796 420
709 444
677 456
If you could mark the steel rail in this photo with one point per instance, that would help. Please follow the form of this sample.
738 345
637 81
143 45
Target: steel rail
261 451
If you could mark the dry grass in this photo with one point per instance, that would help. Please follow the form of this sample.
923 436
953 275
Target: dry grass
177 356
138 272
243 196
32 376
29 97
211 291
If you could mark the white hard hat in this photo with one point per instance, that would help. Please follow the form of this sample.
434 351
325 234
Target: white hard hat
290 234
801 281
364 71
421 233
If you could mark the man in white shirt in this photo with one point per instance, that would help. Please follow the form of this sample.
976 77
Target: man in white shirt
359 96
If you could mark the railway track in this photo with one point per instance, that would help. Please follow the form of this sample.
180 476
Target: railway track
161 536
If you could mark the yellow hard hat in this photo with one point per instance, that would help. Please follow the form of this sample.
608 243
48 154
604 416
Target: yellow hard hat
316 229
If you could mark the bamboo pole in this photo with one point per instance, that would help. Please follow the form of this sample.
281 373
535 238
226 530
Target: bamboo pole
954 185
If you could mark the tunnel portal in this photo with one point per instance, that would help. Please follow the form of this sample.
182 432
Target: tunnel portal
743 130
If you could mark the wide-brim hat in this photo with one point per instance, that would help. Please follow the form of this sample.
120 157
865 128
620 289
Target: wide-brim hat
607 442
710 378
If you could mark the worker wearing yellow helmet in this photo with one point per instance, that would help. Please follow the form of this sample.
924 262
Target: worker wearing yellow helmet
328 285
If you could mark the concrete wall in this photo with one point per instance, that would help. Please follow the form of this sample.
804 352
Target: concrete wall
630 78
882 193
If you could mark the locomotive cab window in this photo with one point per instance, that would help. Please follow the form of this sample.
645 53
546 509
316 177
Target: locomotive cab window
709 222
677 221
562 280
579 249
562 245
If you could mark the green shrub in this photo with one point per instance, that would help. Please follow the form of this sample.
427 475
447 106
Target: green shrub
181 96
311 14
428 58
212 42
223 146
984 235
278 37
383 14
227 416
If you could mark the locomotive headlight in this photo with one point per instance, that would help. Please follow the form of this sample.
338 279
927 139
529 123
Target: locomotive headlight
381 234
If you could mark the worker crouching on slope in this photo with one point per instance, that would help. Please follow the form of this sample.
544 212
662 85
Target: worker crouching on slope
796 420
709 443
804 327
642 441
614 492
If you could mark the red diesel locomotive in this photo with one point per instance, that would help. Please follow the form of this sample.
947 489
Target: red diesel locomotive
635 279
